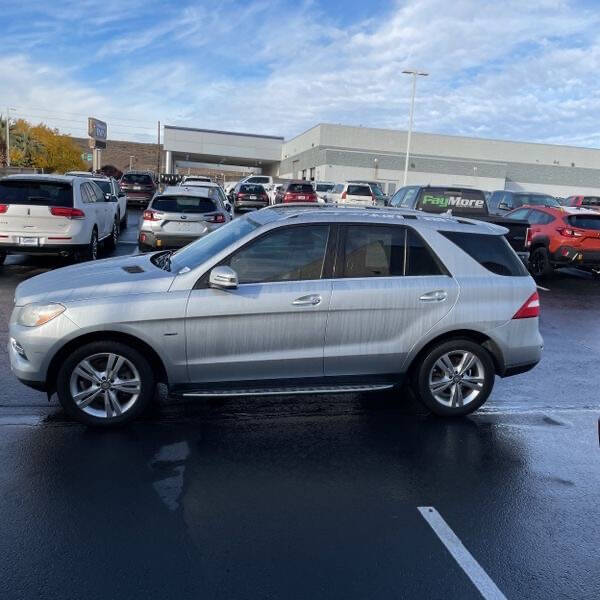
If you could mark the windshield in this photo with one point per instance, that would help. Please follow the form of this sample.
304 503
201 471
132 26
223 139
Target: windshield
377 190
204 248
36 193
537 200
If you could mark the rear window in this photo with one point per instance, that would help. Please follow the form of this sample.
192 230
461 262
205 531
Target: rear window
324 187
590 201
183 204
439 200
36 193
492 252
535 200
252 189
137 178
585 222
359 190
300 188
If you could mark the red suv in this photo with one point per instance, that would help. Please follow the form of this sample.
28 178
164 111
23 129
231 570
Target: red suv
296 191
139 187
591 202
561 237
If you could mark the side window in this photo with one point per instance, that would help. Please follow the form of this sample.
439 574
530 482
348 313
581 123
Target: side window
519 214
86 194
419 258
397 197
97 192
409 198
289 254
538 217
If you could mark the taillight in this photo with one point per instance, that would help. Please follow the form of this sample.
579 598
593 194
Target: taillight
3 208
312 197
65 211
528 237
567 232
530 309
344 195
149 215
216 219
240 196
288 197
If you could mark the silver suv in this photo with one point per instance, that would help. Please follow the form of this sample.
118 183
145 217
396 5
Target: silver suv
181 215
289 299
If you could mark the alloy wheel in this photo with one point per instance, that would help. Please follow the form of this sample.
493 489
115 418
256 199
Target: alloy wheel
105 385
456 378
94 247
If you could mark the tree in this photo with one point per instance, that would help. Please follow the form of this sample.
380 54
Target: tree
60 153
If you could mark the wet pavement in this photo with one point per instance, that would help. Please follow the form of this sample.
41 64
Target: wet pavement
312 497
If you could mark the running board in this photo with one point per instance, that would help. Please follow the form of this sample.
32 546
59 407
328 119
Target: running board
284 391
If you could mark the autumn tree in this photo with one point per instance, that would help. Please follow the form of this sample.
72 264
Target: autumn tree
60 153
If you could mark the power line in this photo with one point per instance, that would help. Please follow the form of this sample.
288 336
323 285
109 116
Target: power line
52 118
46 110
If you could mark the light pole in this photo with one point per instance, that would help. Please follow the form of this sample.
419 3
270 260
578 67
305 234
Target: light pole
412 110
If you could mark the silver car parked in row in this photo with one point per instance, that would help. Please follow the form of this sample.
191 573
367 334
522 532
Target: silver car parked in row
289 299
182 214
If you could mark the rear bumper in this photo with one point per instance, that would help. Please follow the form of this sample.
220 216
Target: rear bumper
249 204
568 255
519 346
150 239
138 198
47 249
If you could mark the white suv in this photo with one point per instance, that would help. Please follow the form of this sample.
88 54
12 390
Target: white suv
55 214
351 193
109 185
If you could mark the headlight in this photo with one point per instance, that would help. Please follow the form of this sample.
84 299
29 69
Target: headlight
33 315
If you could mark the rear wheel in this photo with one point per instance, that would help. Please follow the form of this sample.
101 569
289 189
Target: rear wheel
539 262
455 378
91 252
105 383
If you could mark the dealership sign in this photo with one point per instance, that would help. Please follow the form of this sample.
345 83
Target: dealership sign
97 129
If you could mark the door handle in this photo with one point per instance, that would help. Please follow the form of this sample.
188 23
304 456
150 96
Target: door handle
311 300
437 296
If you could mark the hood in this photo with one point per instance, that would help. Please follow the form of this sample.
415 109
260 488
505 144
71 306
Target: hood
110 277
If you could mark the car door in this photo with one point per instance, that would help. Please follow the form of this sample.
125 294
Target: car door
389 290
96 208
102 208
273 325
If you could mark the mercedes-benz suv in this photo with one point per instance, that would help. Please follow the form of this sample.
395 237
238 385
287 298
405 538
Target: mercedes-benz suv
286 300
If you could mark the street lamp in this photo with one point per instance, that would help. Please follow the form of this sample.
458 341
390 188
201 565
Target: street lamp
412 110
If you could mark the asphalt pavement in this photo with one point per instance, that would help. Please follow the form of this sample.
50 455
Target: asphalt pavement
350 496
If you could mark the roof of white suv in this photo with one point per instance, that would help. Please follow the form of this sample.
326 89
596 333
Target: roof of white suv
40 177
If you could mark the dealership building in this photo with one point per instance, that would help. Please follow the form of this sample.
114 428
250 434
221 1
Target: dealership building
329 152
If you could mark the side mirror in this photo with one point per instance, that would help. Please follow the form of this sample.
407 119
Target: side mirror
223 278
107 197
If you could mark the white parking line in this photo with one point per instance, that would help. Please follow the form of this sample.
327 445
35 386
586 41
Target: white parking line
461 555
539 287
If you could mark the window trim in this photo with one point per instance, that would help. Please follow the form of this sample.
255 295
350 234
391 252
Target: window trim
341 253
202 282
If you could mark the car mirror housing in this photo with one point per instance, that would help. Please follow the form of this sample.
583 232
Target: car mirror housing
223 278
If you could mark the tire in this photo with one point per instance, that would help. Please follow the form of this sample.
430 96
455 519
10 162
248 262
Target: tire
91 252
111 406
539 263
459 398
2 257
111 240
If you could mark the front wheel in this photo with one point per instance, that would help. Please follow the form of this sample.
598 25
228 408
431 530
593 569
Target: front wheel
455 378
105 383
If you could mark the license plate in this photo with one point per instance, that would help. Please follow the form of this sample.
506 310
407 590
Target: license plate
137 187
29 241
301 197
252 197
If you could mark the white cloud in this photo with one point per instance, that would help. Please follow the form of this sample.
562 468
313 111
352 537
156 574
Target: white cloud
511 69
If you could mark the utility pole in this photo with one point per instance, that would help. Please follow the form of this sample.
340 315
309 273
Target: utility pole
410 122
7 136
131 158
158 159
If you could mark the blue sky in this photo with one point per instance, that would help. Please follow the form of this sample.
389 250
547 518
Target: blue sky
506 69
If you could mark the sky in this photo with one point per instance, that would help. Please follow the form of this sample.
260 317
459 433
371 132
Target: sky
508 69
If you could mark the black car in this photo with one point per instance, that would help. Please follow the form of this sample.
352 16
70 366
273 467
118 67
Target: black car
462 202
503 201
